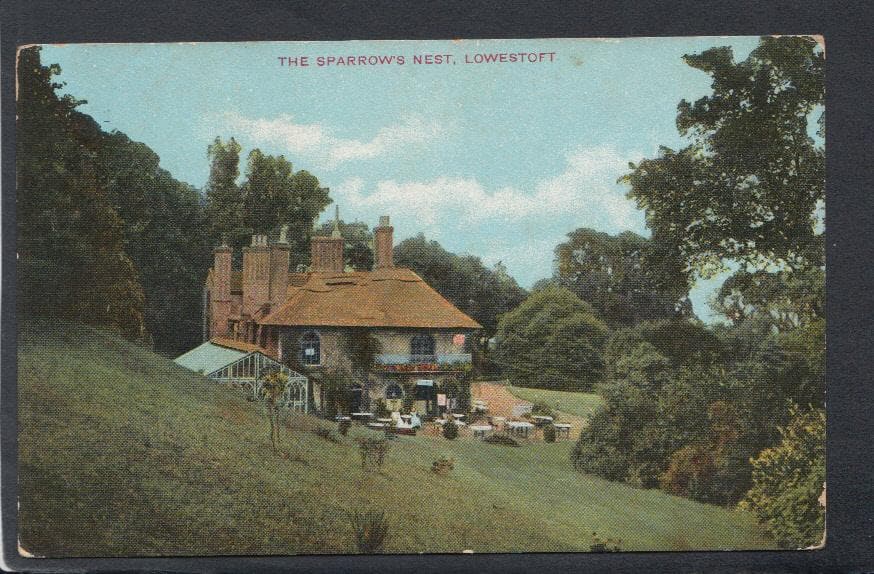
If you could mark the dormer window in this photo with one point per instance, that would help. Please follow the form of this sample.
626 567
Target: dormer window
310 349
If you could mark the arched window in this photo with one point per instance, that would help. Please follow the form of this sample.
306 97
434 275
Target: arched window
310 349
422 348
394 391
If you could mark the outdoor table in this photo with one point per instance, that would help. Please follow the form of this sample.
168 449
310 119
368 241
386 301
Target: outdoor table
562 429
339 418
440 422
407 417
542 419
376 425
457 416
520 427
386 421
361 416
480 430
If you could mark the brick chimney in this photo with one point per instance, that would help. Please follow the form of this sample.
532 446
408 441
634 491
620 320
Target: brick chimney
256 275
220 297
383 244
327 252
279 255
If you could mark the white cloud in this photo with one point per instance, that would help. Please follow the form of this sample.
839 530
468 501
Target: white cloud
518 226
318 141
586 191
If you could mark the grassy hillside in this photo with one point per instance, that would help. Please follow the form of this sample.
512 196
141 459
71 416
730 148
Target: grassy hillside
124 453
573 403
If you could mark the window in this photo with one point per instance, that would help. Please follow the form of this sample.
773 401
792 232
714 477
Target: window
394 391
422 347
310 349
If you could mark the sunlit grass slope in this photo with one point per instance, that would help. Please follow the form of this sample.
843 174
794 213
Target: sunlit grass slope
124 453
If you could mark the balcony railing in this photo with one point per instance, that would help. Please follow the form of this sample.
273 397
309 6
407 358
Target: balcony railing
423 363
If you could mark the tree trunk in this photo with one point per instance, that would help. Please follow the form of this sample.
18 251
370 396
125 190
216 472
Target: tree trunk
272 427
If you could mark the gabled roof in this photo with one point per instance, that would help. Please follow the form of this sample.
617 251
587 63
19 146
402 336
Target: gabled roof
394 297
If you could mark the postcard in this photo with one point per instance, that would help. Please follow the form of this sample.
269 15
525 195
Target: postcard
402 297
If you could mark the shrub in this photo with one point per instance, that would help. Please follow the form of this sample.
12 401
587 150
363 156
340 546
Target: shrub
604 544
327 434
542 409
380 409
787 481
442 466
371 530
501 440
343 427
549 433
373 451
450 430
552 340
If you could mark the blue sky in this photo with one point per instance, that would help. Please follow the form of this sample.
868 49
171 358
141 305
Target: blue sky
500 160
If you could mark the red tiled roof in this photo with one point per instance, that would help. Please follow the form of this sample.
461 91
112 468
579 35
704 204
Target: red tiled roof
394 297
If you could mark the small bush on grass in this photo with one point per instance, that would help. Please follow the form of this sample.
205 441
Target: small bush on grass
442 466
604 544
540 408
373 451
501 440
328 434
371 530
343 427
450 430
549 433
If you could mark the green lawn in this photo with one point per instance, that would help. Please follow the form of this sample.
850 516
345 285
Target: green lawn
578 404
124 453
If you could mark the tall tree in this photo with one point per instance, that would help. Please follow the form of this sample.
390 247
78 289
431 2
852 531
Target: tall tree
620 277
224 201
749 185
482 293
71 258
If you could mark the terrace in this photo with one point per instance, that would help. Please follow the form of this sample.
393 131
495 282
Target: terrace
410 363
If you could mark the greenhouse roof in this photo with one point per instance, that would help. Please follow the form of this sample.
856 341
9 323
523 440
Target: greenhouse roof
209 357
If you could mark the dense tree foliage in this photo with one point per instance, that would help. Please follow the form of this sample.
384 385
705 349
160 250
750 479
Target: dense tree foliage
621 277
480 292
748 186
784 300
224 203
687 407
787 481
105 235
165 234
271 195
688 416
71 256
552 340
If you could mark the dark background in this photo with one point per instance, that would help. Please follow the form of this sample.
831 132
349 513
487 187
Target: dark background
849 35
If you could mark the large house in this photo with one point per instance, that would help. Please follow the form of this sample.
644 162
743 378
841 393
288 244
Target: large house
316 320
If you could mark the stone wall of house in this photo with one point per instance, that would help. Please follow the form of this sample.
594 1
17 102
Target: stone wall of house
332 343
